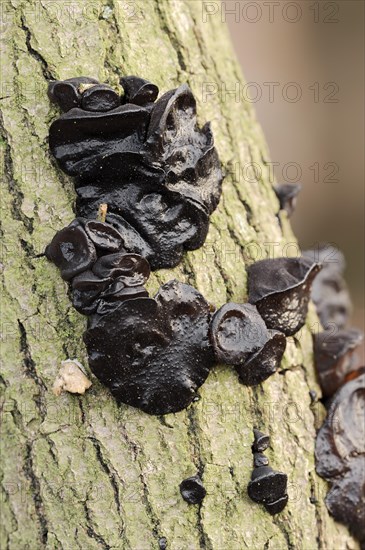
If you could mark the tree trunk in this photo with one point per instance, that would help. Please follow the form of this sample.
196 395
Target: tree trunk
79 471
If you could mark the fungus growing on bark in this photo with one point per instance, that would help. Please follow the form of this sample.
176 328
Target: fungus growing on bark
264 362
329 290
240 338
267 486
138 90
335 357
67 93
340 456
192 490
71 378
153 353
99 280
156 169
280 289
100 98
287 194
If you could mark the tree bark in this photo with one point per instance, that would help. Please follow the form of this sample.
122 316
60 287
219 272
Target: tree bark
79 471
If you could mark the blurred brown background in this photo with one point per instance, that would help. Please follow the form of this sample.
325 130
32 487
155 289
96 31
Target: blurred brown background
311 57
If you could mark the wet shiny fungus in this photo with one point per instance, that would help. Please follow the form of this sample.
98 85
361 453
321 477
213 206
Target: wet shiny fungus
153 353
335 357
340 456
192 490
148 160
280 289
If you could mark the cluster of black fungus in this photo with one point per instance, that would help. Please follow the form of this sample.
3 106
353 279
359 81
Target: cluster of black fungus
91 257
240 338
267 486
340 455
148 160
192 490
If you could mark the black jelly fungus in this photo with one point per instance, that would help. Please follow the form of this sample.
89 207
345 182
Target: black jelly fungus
340 456
67 93
153 353
261 441
192 490
156 169
280 289
277 506
335 357
162 543
260 459
267 485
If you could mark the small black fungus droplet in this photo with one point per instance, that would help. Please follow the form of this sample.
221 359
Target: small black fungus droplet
329 290
280 289
265 362
340 456
67 93
138 90
261 441
162 542
153 353
335 357
313 396
192 490
237 330
156 169
287 194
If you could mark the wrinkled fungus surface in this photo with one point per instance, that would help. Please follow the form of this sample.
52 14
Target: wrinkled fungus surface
280 289
287 194
153 353
192 490
335 357
148 160
340 456
100 278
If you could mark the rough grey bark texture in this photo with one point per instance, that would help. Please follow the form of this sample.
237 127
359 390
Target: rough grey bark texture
80 472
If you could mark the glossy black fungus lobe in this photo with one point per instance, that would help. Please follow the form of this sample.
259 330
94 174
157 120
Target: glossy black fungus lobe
335 357
280 289
340 456
261 441
148 160
67 93
192 490
153 353
287 194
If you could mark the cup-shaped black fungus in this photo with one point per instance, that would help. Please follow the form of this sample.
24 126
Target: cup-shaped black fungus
267 485
340 456
153 353
261 441
192 490
335 357
329 290
280 289
131 269
260 459
67 93
264 362
138 90
237 330
156 169
71 250
100 98
287 194
86 290
104 236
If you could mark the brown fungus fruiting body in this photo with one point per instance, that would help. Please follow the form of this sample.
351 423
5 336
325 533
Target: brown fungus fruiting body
192 490
340 456
280 289
335 357
240 337
148 160
153 353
